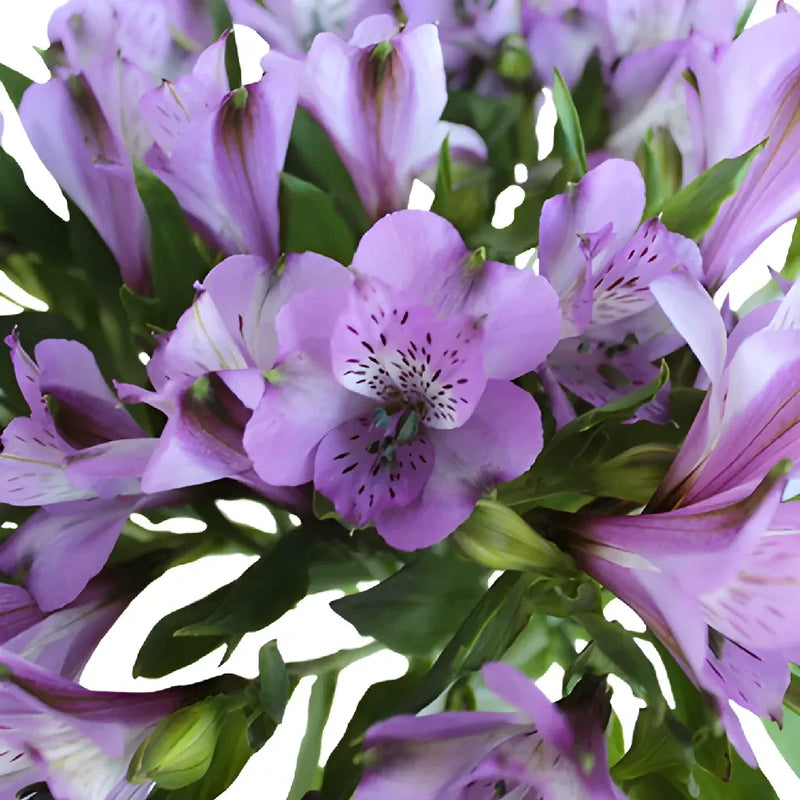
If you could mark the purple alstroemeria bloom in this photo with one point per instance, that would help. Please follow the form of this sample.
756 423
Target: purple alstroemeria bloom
383 112
80 457
162 37
289 26
75 741
394 394
644 46
84 146
85 124
62 641
747 92
208 374
543 750
467 30
222 152
709 564
606 268
637 25
562 35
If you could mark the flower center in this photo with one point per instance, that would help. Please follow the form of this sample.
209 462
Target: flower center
410 360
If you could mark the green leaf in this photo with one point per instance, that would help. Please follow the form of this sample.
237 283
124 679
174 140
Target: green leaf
654 787
569 125
312 157
661 164
573 458
265 592
444 179
176 262
230 755
655 748
787 738
615 739
141 311
691 211
461 193
506 124
589 97
613 649
748 10
220 16
15 83
791 269
310 221
273 691
414 611
273 682
485 635
233 66
26 219
162 653
307 774
745 783
489 630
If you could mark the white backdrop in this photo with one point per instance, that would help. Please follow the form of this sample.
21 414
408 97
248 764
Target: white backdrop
312 630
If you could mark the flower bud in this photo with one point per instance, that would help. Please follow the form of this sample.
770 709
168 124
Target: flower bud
497 537
514 60
180 748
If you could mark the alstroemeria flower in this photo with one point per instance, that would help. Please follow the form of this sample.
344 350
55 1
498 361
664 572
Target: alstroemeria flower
75 741
162 37
208 374
81 461
63 641
382 113
539 750
710 565
562 35
644 46
637 25
467 30
607 269
289 26
395 393
222 152
748 92
84 123
81 145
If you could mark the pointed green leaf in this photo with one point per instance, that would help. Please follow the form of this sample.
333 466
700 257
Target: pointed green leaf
694 208
413 612
15 83
176 261
569 125
309 221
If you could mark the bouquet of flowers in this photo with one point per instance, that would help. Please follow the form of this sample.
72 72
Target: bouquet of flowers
480 431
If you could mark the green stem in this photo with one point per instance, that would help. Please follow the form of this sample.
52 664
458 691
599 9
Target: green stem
334 662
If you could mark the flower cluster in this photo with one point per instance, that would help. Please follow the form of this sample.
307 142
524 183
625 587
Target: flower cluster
247 302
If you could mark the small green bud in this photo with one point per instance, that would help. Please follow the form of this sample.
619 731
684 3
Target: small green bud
514 61
272 376
240 97
498 538
180 748
475 260
200 390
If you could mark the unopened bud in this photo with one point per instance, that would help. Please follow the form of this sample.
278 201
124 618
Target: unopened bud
498 538
179 750
514 60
